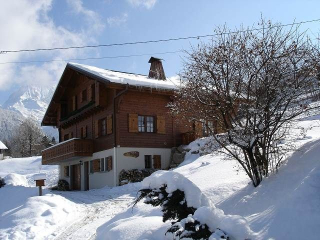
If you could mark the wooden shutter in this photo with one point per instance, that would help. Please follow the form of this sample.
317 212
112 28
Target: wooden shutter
81 97
66 171
157 161
73 103
161 125
96 165
133 123
96 128
198 129
109 124
109 163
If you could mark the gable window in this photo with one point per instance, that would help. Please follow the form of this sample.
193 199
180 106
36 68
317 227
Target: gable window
84 132
145 124
103 127
93 92
84 95
147 161
66 137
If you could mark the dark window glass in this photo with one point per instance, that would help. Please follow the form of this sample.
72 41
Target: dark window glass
91 167
147 161
102 165
150 124
84 95
141 124
103 127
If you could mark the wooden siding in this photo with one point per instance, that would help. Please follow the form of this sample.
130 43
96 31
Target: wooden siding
67 150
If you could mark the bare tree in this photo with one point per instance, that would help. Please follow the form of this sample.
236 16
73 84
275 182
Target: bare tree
252 85
27 140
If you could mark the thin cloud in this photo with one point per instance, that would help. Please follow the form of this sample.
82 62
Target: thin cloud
117 21
148 4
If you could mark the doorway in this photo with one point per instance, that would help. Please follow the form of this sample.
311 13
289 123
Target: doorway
76 177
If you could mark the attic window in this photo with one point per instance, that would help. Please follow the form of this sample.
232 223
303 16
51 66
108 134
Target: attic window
84 95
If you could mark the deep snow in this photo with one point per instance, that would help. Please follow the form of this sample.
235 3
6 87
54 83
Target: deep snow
286 205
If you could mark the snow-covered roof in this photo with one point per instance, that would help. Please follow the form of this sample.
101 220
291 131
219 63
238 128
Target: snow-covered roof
2 146
128 78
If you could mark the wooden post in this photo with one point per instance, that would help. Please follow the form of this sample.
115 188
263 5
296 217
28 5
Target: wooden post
40 190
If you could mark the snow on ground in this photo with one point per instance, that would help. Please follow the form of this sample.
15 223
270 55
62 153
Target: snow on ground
56 215
286 205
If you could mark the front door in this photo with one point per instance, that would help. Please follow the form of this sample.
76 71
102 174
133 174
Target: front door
76 177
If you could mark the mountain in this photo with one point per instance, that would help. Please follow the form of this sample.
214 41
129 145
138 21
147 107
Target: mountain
30 101
9 120
27 101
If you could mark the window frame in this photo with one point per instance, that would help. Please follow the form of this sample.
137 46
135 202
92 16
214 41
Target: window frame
102 165
146 126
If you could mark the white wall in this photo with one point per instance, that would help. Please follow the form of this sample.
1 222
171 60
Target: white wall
120 162
128 163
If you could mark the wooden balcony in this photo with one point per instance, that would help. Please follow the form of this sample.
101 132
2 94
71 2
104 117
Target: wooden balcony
68 150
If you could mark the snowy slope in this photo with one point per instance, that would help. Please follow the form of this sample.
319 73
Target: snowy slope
285 205
9 120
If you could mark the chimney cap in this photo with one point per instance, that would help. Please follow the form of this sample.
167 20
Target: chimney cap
153 59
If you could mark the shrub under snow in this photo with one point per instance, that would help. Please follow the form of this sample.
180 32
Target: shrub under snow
197 213
2 182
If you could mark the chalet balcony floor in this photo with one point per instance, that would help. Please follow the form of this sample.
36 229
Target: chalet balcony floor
67 150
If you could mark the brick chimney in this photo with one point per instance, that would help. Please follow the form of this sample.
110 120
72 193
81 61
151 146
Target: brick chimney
156 69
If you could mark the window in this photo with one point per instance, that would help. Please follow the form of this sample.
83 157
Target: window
147 161
93 92
102 169
150 124
141 125
208 128
91 167
71 135
146 124
84 132
103 127
84 95
66 171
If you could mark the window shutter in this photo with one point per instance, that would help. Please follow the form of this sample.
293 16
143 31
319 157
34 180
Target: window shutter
157 161
198 129
66 171
133 123
96 165
96 128
161 125
73 103
81 97
109 163
109 124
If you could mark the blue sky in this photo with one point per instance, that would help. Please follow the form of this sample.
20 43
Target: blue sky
55 23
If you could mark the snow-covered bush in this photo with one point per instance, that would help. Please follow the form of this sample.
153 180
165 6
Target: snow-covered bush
2 182
134 175
174 205
63 185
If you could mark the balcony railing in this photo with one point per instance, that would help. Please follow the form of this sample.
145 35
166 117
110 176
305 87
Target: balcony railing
67 150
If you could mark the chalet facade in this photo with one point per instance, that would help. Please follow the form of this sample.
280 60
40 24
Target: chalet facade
110 121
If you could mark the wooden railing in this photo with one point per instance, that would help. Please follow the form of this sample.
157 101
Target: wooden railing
66 150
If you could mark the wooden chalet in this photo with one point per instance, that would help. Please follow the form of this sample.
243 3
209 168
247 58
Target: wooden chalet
109 121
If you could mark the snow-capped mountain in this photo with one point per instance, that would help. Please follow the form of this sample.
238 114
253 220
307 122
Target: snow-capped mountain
27 101
30 101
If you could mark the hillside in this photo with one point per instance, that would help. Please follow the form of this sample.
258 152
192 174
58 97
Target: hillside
9 120
284 206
